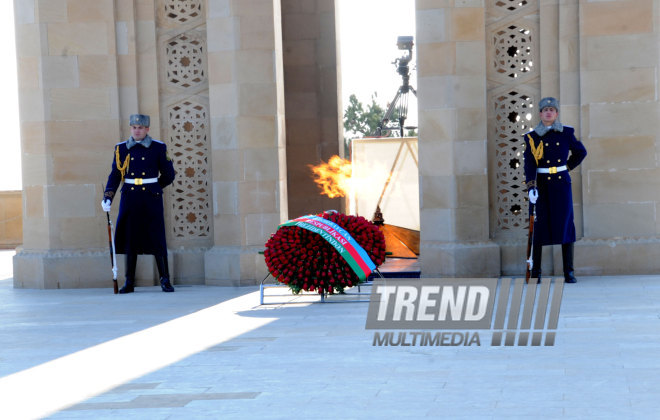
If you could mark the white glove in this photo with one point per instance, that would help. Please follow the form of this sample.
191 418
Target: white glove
533 195
105 204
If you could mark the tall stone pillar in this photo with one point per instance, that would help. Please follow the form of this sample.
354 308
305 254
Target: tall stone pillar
522 60
246 99
176 65
314 117
209 73
619 91
454 206
69 114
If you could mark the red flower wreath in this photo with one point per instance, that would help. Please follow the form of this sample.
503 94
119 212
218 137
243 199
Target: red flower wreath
305 261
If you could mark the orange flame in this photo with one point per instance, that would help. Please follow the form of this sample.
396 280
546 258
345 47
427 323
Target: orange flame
334 177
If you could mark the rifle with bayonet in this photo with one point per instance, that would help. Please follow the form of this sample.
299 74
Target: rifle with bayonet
530 244
113 254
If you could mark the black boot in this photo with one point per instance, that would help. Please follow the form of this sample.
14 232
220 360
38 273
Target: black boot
567 259
131 262
164 272
537 254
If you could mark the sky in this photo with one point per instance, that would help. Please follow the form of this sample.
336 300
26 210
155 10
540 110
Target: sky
368 40
10 151
368 34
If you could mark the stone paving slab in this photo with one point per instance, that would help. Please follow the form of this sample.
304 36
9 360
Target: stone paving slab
214 352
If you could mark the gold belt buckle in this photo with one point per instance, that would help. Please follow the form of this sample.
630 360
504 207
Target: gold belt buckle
138 181
553 170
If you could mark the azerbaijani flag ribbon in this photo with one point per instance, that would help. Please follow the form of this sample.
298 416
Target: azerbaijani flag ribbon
356 257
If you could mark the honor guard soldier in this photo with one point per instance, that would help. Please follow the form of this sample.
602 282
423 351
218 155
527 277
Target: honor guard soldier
145 168
551 151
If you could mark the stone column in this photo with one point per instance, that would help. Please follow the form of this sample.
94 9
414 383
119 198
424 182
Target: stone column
619 91
69 116
248 136
452 142
314 118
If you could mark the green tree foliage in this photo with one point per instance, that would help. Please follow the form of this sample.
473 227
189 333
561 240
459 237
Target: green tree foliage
358 122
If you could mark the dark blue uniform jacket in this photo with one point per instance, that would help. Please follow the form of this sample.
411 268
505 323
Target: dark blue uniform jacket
554 207
140 223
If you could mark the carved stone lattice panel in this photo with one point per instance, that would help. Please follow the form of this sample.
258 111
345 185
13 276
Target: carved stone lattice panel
513 116
513 53
182 11
510 5
514 86
185 61
188 139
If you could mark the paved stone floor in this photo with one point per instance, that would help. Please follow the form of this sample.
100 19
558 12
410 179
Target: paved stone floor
214 352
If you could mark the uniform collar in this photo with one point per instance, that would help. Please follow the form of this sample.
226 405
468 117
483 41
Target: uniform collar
146 142
541 129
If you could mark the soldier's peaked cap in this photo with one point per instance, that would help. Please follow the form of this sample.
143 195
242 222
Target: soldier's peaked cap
139 119
549 102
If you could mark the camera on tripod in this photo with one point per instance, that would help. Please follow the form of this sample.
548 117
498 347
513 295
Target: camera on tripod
401 63
405 43
400 102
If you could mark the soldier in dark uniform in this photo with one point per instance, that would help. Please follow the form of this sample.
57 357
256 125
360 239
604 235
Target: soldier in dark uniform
551 151
145 168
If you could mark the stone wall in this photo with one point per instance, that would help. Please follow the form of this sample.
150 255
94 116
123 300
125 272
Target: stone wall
314 128
599 59
11 219
454 196
248 136
69 114
211 76
215 66
620 118
245 94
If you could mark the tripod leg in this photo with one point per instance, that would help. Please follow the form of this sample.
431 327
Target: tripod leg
388 114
